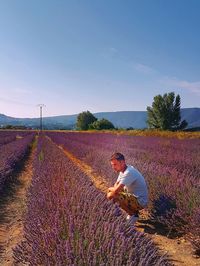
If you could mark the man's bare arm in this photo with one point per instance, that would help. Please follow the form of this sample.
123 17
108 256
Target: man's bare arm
113 191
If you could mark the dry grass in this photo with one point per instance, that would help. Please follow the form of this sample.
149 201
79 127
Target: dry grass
140 132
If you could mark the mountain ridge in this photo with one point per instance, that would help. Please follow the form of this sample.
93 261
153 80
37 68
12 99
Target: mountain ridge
120 119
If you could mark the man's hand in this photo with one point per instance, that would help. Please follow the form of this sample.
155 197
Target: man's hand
110 193
113 191
110 189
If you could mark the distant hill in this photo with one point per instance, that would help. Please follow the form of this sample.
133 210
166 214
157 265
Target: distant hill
120 119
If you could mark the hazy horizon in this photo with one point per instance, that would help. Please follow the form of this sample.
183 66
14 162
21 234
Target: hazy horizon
38 116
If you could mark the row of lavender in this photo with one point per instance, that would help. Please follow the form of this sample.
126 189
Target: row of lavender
69 222
11 154
9 136
171 167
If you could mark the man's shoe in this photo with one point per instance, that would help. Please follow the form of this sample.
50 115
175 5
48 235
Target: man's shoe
132 219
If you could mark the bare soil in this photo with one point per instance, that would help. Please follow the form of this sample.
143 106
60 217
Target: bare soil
13 208
178 249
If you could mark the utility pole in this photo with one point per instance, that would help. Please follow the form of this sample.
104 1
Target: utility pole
41 105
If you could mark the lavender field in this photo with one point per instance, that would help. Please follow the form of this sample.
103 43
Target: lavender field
170 166
70 222
13 148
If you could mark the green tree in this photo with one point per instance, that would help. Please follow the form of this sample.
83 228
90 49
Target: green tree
101 124
165 113
84 119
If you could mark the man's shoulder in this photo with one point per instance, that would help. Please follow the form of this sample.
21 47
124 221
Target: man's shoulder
130 169
128 172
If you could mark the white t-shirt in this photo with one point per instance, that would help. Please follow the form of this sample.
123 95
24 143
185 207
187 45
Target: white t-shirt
135 184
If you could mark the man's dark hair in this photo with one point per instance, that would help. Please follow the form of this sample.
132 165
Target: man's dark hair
117 156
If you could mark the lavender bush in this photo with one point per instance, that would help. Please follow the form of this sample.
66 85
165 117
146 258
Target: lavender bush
10 155
9 136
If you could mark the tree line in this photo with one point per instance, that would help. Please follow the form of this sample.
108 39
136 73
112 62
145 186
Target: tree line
87 120
164 114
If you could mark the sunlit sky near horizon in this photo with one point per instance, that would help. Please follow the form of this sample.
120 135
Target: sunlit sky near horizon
101 56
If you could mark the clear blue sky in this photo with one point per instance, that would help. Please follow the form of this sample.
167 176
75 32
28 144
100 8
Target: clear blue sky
97 55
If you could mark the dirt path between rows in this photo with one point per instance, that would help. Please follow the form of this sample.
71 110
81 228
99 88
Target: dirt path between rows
179 250
12 209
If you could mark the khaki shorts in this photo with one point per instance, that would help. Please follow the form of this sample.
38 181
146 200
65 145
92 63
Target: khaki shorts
128 202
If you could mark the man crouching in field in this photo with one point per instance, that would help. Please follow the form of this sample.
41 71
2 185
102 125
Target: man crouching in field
130 190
